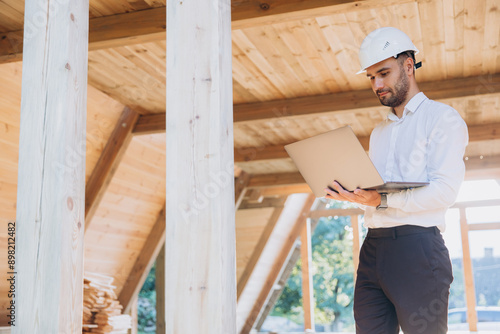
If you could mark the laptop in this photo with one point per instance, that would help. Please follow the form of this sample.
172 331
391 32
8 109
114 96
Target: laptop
338 155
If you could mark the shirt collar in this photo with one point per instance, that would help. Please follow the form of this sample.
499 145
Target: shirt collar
411 106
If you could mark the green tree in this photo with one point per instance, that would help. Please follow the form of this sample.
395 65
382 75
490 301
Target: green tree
333 276
334 271
146 305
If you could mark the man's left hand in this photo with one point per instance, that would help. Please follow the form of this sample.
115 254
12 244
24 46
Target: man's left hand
360 196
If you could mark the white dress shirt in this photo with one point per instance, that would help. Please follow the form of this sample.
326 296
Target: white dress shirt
426 144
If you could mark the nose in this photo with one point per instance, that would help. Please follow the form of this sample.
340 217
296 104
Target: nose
378 83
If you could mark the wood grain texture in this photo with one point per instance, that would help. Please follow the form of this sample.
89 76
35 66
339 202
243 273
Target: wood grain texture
355 243
160 291
361 102
200 244
307 276
252 13
126 27
51 180
257 251
240 185
108 162
343 102
470 294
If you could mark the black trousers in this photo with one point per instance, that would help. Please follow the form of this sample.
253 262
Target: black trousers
403 279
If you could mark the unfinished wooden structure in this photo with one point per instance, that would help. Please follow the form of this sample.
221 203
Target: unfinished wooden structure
293 76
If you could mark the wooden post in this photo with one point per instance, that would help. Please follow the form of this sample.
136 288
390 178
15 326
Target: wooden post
51 178
355 243
307 279
200 229
134 316
160 292
470 293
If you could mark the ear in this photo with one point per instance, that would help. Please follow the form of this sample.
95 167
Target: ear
409 65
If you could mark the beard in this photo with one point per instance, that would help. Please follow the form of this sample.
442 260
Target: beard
398 95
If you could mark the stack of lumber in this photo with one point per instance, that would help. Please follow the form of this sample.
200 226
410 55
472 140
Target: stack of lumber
102 312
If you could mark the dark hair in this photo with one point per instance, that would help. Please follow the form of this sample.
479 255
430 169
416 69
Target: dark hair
401 57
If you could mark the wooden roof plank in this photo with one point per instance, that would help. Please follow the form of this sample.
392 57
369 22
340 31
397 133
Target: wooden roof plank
148 25
257 251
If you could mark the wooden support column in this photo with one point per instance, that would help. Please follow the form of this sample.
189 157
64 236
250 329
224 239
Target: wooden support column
470 293
355 243
200 230
51 178
134 316
160 292
240 188
307 278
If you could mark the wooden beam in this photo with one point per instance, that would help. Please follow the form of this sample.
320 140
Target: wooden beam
160 291
104 32
269 202
307 277
275 179
285 273
278 264
247 14
201 256
149 124
143 263
240 188
286 190
108 162
295 179
484 226
355 243
470 294
277 289
482 162
475 204
48 273
137 27
254 196
149 25
134 316
362 99
257 251
316 214
344 103
482 132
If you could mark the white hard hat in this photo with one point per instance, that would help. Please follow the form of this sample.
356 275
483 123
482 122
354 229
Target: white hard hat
381 44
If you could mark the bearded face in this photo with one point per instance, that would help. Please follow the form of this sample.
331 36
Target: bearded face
394 97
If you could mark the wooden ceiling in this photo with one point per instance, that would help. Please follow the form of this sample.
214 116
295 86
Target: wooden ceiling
294 65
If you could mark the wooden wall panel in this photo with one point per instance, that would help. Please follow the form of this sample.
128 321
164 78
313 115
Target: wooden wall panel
249 226
128 209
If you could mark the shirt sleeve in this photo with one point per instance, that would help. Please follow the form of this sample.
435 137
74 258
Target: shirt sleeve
445 167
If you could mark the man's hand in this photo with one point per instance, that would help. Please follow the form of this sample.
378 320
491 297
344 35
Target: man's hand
360 196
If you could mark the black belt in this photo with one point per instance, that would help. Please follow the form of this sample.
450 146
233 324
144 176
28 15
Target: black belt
397 231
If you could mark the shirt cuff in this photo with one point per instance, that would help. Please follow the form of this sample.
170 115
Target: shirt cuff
395 200
361 206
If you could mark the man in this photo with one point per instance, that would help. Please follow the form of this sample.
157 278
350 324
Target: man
404 272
